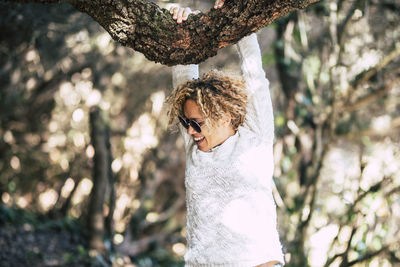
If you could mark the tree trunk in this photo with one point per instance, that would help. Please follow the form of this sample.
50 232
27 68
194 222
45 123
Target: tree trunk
147 28
100 142
109 222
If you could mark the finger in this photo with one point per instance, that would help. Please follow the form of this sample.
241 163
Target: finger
172 9
219 3
186 12
176 13
179 16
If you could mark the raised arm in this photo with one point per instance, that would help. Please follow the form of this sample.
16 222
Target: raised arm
259 117
184 73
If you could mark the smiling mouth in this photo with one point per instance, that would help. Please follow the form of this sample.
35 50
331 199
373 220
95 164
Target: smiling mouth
198 140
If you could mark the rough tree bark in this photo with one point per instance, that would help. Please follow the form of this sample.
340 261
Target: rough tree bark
149 29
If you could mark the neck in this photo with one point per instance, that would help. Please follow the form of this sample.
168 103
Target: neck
230 132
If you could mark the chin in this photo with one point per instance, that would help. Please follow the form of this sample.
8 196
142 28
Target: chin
203 149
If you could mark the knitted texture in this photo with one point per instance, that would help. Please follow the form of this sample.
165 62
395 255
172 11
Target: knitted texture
231 213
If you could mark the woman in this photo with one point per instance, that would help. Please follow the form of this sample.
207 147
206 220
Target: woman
228 131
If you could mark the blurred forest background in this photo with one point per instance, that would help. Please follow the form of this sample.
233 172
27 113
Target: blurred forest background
65 84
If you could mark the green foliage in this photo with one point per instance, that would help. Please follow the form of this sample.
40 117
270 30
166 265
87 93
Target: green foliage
343 127
159 258
35 255
268 59
69 257
16 216
286 163
280 123
64 224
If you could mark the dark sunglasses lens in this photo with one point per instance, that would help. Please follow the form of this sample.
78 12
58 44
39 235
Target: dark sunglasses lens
195 125
183 122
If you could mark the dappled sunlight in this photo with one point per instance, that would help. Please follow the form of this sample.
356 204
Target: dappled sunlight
79 43
341 169
377 214
141 135
124 203
64 163
15 163
179 249
93 98
121 204
90 151
382 124
116 165
118 79
67 187
334 205
66 64
320 242
83 190
311 68
68 95
292 189
79 139
22 202
105 43
158 99
6 198
128 159
152 217
55 155
56 140
133 174
32 56
73 39
30 84
383 161
379 262
47 199
15 76
78 115
32 139
8 137
118 239
365 61
49 92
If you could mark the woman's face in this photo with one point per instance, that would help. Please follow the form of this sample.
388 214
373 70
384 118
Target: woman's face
211 135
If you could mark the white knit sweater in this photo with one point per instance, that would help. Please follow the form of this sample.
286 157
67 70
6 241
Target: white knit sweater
231 213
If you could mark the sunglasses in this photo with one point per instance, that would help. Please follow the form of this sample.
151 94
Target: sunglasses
186 122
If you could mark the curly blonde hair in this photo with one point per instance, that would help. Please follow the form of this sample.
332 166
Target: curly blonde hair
216 95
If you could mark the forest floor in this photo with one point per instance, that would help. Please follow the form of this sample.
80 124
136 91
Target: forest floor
33 240
49 245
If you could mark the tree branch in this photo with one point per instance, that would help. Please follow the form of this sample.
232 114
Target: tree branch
368 99
149 29
368 256
366 76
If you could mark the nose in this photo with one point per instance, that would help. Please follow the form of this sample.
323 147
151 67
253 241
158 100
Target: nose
190 130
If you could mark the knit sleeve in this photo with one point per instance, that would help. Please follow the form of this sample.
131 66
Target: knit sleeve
180 75
259 117
184 73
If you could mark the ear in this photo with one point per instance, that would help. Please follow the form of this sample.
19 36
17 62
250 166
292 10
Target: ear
227 119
